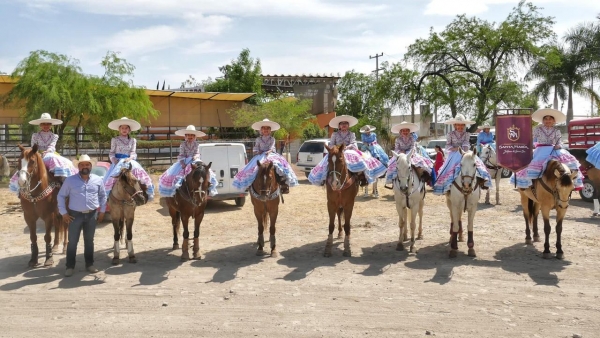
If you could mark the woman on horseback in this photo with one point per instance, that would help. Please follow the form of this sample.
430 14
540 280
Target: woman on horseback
369 140
455 141
123 153
264 149
46 141
189 152
368 169
406 142
546 139
485 137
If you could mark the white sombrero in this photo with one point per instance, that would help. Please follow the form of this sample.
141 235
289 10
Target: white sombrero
191 129
459 119
405 125
485 125
335 122
274 125
539 114
133 124
45 118
83 158
367 128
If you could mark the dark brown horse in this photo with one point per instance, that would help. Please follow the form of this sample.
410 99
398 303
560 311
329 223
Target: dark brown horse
342 187
551 191
124 196
265 194
190 201
38 194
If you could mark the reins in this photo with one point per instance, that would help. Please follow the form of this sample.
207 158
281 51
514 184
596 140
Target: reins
191 195
349 180
25 192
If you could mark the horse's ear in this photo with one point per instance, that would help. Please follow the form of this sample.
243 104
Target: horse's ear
328 149
461 151
21 147
574 174
342 147
209 164
557 173
34 149
475 151
395 153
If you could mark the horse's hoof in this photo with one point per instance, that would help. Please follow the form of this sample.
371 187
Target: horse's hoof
132 260
400 247
487 202
340 236
420 237
55 249
274 254
260 252
33 263
547 255
460 238
560 255
412 249
176 247
536 238
528 241
327 253
472 252
453 253
116 261
347 253
64 251
49 262
405 238
185 259
498 203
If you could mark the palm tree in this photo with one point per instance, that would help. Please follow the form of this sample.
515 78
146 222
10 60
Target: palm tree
548 73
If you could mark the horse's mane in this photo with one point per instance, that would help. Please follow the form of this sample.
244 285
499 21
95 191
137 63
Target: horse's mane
565 180
127 176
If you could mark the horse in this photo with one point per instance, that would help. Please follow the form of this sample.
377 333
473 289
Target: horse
190 201
265 195
551 191
489 157
4 167
342 188
409 193
463 196
124 196
40 201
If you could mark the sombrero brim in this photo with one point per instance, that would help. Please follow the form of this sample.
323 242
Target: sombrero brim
76 162
367 128
335 122
274 125
134 125
453 121
183 132
410 126
37 122
539 114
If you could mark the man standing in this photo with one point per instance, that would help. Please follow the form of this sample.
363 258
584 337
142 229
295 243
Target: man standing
86 194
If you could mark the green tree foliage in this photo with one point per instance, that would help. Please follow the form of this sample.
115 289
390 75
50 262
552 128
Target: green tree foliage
484 55
398 87
242 75
356 95
54 83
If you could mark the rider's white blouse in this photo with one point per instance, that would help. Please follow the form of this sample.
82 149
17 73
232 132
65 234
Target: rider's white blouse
46 141
339 137
189 149
404 143
264 144
545 135
122 145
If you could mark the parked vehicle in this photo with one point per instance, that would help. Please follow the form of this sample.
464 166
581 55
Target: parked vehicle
227 159
311 152
100 169
584 134
430 148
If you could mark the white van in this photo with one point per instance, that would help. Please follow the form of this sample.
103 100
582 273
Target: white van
227 159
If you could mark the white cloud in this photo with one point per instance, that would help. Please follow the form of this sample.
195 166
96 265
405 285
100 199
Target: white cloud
471 7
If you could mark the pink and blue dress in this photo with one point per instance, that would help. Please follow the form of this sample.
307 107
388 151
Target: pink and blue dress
545 139
593 155
263 144
404 144
370 144
172 178
355 160
450 170
56 164
122 148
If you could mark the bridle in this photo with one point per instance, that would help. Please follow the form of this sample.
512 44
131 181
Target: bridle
268 193
131 191
190 195
336 177
486 161
409 181
466 191
557 200
26 190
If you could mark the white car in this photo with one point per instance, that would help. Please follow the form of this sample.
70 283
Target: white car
430 148
311 152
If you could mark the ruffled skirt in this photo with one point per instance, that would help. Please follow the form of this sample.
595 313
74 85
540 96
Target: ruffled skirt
356 161
541 156
450 170
244 178
416 159
171 180
593 155
136 170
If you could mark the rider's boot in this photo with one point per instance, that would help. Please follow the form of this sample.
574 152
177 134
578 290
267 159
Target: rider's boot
284 188
362 179
144 191
426 177
481 183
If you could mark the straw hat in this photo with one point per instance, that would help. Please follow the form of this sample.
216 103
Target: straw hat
45 118
485 125
83 158
405 125
265 123
459 119
367 128
539 114
335 122
189 130
133 124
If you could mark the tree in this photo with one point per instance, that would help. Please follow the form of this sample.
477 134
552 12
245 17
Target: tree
398 87
546 71
484 55
54 83
243 75
356 95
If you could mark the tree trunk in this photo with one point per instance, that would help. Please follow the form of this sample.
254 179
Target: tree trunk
412 112
77 135
570 105
555 103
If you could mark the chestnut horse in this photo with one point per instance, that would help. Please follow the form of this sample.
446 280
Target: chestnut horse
342 187
551 191
39 201
124 196
265 194
190 201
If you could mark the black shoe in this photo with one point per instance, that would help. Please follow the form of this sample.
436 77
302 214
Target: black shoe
284 188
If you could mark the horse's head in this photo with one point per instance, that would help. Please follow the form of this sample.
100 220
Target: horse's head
403 171
32 167
468 170
265 182
130 189
198 181
336 166
488 154
563 179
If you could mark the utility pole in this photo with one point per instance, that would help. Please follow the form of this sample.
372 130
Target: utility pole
377 69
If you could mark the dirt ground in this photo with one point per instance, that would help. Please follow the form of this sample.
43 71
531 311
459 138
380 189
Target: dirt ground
509 290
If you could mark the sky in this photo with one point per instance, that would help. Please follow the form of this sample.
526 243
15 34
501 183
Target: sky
169 40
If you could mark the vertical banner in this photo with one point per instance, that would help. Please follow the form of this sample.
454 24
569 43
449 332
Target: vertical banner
514 141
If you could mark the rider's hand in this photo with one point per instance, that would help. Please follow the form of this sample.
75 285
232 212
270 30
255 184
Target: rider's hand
67 219
557 147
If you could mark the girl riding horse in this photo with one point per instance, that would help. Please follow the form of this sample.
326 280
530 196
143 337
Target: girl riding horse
485 137
405 142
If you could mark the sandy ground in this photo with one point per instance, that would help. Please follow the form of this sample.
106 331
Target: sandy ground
507 291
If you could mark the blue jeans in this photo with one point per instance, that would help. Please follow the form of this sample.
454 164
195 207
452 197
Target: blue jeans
87 222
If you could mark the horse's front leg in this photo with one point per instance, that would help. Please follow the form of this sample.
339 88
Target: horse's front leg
49 223
261 219
498 178
273 212
175 224
339 213
332 209
116 237
197 222
487 196
547 230
402 215
534 218
421 207
560 215
375 190
57 232
527 205
473 198
455 215
348 208
185 246
30 219
413 226
129 225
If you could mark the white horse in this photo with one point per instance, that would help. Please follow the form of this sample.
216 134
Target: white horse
4 167
409 193
463 196
489 157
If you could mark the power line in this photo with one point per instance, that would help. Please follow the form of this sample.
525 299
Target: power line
377 69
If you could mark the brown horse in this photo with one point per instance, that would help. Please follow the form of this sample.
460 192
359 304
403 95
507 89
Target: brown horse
551 191
342 187
39 201
190 201
265 194
124 196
